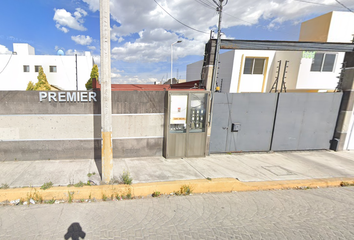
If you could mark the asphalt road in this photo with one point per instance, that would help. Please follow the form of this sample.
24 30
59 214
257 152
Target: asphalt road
287 214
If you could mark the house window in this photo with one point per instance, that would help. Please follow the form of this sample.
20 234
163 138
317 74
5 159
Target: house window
36 68
323 62
53 69
254 66
26 68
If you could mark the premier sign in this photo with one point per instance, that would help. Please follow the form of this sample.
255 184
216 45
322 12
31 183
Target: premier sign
67 96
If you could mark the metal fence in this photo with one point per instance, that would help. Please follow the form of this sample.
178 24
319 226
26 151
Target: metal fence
273 121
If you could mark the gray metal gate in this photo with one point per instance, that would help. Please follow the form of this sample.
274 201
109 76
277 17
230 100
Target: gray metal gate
254 112
305 121
298 121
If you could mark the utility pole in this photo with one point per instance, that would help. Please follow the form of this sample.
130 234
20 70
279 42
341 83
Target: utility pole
216 61
77 87
106 98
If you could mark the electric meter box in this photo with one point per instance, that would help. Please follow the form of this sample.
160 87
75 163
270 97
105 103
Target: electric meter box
186 123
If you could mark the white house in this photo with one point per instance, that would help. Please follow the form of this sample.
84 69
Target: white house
256 71
22 66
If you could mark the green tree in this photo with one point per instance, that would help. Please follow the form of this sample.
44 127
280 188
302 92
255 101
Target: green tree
41 85
94 74
30 86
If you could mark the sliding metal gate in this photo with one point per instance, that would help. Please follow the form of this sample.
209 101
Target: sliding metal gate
258 122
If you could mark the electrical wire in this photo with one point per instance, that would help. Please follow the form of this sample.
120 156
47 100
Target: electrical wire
344 6
7 63
205 4
237 18
311 2
210 1
180 21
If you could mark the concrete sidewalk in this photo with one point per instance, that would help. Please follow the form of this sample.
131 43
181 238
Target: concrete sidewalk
246 167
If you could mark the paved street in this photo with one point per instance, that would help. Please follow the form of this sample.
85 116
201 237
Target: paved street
289 214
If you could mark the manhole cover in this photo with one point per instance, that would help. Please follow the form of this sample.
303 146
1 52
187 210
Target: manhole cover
279 171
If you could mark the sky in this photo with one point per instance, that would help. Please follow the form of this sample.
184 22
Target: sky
142 31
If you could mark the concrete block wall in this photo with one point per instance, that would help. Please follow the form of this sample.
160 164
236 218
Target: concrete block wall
138 123
34 130
343 128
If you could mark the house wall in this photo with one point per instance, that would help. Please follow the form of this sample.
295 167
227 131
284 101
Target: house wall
331 27
316 29
194 71
23 49
292 70
318 80
231 71
226 74
225 70
342 27
14 78
35 130
249 82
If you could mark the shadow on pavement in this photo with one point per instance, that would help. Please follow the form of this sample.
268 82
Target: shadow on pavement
75 232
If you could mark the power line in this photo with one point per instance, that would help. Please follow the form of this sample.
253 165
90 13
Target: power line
213 8
7 63
179 20
311 2
344 6
205 4
237 18
210 1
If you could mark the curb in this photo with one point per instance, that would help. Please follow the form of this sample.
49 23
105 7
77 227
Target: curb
146 189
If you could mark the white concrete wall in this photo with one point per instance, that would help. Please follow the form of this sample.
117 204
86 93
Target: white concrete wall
13 77
250 82
342 27
23 49
229 71
294 59
318 80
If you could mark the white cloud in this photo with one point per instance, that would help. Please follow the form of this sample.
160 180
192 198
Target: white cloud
143 33
79 14
94 5
137 79
65 19
91 48
82 40
4 50
64 29
155 46
71 52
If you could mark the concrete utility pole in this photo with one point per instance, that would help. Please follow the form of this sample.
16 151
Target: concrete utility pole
106 102
216 64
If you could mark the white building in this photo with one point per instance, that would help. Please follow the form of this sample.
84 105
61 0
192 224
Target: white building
256 71
22 66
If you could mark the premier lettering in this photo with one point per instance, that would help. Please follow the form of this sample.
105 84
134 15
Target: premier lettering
68 96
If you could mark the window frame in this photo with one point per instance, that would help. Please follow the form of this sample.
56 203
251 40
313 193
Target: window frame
53 68
264 59
26 68
323 60
37 66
